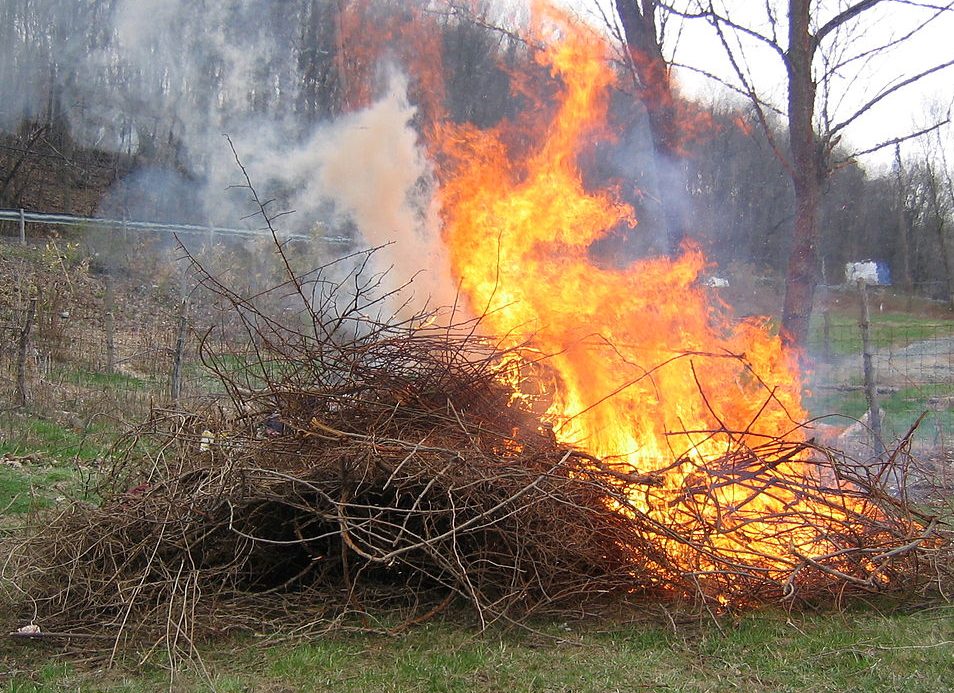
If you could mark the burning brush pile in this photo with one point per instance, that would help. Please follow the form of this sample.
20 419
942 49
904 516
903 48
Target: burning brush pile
392 465
618 433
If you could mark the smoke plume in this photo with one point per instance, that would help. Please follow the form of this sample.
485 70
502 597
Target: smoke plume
166 79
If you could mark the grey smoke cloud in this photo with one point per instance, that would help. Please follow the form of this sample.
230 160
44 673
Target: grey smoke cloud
175 76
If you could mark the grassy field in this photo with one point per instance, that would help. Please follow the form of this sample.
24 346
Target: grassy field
901 409
859 650
888 329
638 647
47 461
912 355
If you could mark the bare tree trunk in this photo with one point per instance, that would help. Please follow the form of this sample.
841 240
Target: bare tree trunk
939 222
808 171
341 62
176 387
25 153
904 228
809 163
945 248
654 88
801 278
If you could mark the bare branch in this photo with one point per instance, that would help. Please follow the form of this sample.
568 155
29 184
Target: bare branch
885 46
714 17
887 92
949 7
749 90
844 16
897 140
728 85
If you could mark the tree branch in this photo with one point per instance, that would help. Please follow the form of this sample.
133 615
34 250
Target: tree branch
731 87
891 44
842 17
714 17
887 92
753 97
897 140
949 7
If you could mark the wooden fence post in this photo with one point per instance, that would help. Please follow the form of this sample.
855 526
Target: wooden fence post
23 390
871 388
22 227
178 354
110 320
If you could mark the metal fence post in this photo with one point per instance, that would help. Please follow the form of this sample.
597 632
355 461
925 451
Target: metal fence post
110 325
22 227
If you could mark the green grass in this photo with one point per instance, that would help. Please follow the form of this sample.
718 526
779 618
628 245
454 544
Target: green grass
245 370
850 403
105 381
892 329
889 330
57 441
861 650
54 461
901 408
33 486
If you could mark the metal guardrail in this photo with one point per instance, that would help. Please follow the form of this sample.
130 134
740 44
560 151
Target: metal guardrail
24 217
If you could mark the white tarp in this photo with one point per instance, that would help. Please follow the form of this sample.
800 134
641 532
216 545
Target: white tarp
867 271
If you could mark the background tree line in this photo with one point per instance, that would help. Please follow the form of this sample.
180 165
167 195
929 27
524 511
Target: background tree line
155 85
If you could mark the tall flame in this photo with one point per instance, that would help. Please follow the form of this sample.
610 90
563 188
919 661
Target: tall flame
520 234
647 366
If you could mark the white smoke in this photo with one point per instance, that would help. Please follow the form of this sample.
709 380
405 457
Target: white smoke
365 168
370 166
174 76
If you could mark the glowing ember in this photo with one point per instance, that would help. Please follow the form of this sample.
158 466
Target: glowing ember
646 367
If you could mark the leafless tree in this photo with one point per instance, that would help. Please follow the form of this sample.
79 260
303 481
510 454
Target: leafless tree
930 188
834 67
640 31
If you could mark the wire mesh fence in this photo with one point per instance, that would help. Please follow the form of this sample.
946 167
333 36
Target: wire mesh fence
911 378
107 338
89 355
69 368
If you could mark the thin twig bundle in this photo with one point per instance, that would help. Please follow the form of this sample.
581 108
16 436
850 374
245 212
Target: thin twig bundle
369 463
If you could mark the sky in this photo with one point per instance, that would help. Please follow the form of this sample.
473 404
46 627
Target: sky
695 44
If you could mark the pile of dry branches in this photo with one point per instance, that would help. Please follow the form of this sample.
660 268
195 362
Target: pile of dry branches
405 484
369 463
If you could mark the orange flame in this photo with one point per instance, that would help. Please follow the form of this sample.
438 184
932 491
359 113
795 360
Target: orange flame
520 234
647 367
